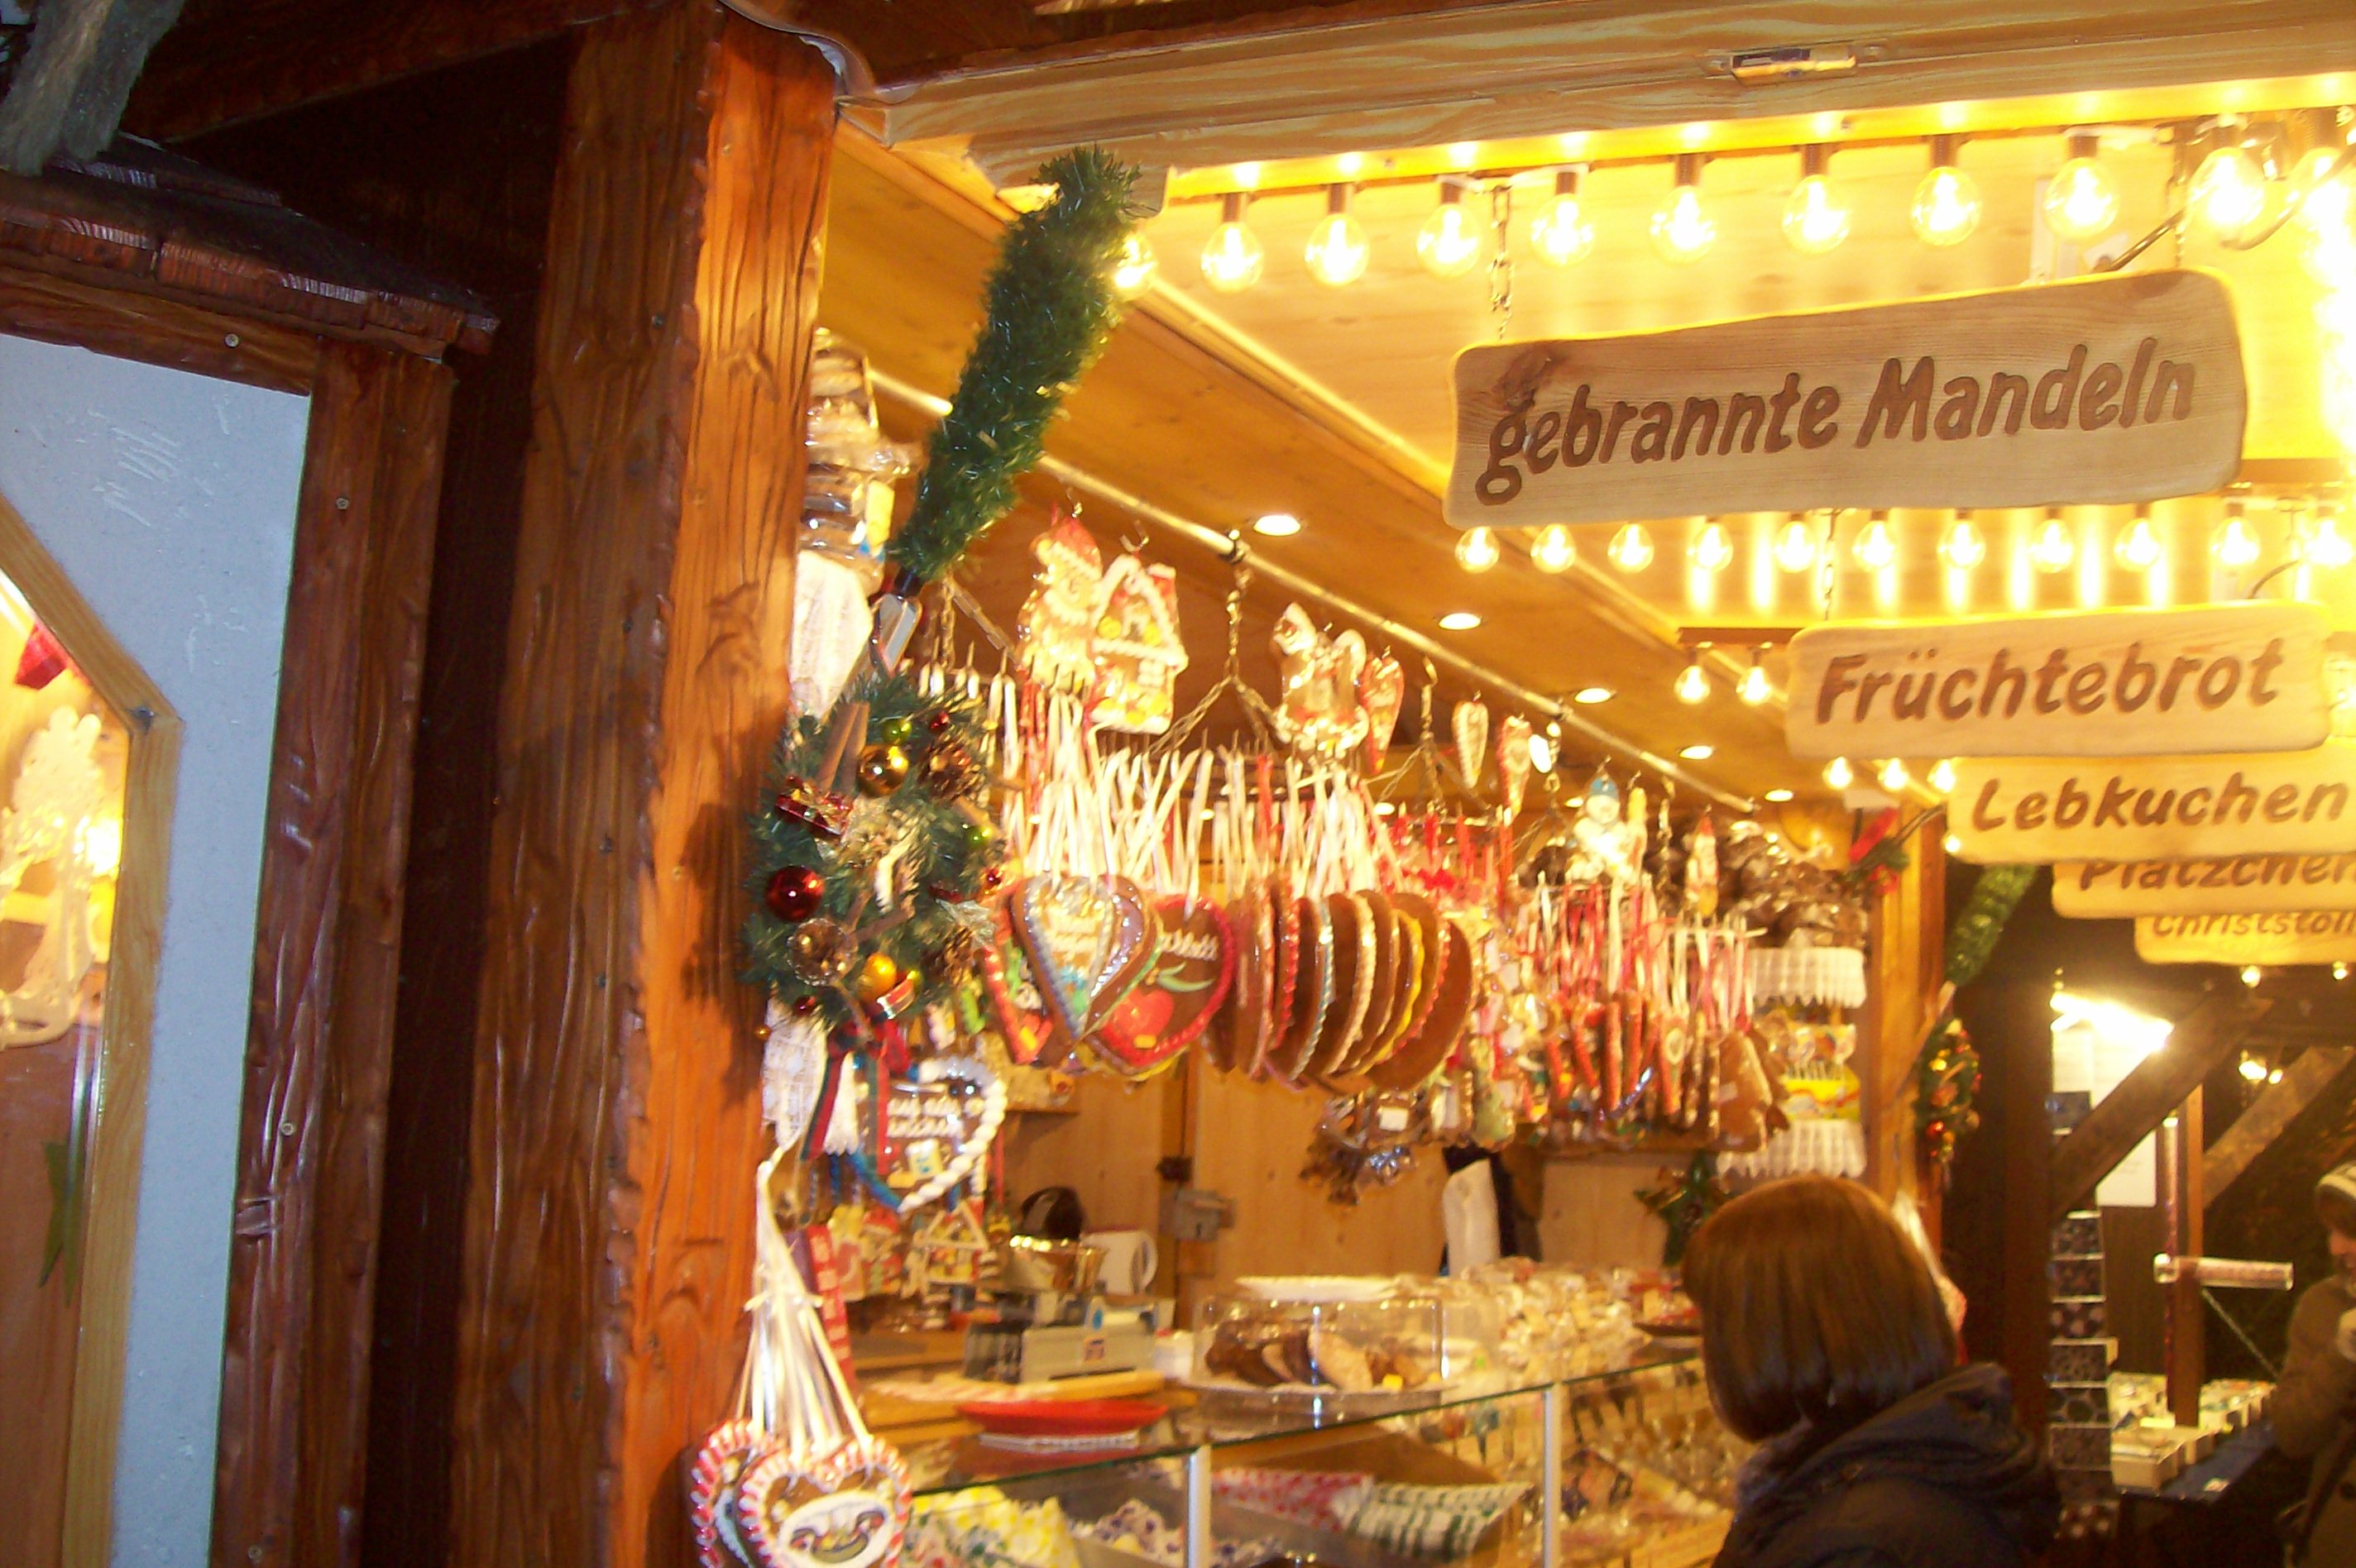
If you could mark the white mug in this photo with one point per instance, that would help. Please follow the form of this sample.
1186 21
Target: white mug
1130 1261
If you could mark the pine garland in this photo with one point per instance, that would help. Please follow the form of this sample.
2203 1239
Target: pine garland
1052 308
949 853
1971 942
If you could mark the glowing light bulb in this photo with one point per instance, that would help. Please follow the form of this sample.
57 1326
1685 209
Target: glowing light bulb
1838 773
1877 547
1796 545
2254 1070
1232 256
1135 267
1476 549
2236 546
2251 975
1682 231
2053 549
1816 214
2323 203
1448 242
1692 684
1952 844
2138 547
1963 546
1894 776
1947 202
1630 549
1753 688
1943 776
2339 971
1337 251
2229 192
2081 202
1561 231
1553 549
2327 547
1712 549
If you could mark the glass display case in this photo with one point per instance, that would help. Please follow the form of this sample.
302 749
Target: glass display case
1639 1472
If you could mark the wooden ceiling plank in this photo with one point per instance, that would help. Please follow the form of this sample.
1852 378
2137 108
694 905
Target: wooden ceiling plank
221 68
2318 1070
2146 1095
1520 70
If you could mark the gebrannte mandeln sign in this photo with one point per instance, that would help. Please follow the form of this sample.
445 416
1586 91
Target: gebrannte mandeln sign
2105 389
2236 884
2106 683
2042 810
2324 937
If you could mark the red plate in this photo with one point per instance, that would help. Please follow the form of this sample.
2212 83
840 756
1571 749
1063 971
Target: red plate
1063 1417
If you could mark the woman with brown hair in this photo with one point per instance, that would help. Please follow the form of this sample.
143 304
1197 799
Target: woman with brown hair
1824 1341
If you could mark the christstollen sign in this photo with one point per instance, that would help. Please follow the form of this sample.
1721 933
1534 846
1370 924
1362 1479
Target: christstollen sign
2236 884
2106 390
2015 809
2313 937
2106 683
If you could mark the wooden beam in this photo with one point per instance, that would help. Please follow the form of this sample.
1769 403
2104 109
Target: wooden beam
1538 69
2319 1070
67 94
225 68
2128 1113
293 1409
616 1109
2188 1317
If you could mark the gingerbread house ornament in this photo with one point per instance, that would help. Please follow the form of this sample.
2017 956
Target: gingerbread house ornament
1136 649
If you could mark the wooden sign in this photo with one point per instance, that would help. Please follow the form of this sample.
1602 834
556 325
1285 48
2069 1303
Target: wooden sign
2007 809
2117 389
2108 683
2271 940
2238 884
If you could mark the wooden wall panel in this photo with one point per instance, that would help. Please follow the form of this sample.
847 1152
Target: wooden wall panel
1107 1151
615 1118
1592 1217
294 1379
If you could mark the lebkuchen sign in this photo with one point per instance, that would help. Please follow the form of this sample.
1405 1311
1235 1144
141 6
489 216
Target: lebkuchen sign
2109 683
2105 389
2006 809
2316 937
2234 884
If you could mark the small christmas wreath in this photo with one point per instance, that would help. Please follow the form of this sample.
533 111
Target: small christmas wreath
869 865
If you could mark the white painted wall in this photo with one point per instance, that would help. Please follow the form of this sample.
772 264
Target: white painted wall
169 499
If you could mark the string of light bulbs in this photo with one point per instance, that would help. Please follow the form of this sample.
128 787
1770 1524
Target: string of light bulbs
2243 167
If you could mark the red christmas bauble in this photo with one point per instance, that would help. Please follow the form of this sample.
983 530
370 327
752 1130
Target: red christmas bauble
793 893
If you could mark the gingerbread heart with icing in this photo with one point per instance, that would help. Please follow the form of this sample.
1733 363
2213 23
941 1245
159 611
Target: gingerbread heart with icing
1022 1011
1192 970
848 1508
1088 939
727 1455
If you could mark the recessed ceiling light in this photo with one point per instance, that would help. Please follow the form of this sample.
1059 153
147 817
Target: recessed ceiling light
1277 524
1591 694
1778 796
1460 621
1698 754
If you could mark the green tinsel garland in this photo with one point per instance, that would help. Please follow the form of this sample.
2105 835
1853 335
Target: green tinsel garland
948 851
1971 942
1052 308
1684 1202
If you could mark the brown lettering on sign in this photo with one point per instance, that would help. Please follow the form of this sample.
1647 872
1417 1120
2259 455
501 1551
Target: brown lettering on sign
2114 389
2269 937
2106 683
2240 884
2155 808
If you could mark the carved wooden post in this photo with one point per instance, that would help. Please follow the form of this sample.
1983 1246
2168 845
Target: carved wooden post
616 1110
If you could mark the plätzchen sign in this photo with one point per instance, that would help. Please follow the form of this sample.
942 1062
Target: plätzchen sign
2117 389
2006 809
2315 937
2108 683
2236 884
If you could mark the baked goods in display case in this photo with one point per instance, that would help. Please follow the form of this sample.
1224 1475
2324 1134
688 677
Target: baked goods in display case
1335 1356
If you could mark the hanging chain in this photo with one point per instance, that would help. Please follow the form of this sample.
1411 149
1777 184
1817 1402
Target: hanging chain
1501 255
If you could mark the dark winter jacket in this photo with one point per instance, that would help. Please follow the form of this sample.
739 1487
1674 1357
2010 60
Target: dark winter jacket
1943 1478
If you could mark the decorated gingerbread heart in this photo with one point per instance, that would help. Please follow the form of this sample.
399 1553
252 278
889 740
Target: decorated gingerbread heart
1513 761
1382 688
732 1451
1472 723
1088 939
1193 971
1022 1016
848 1508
